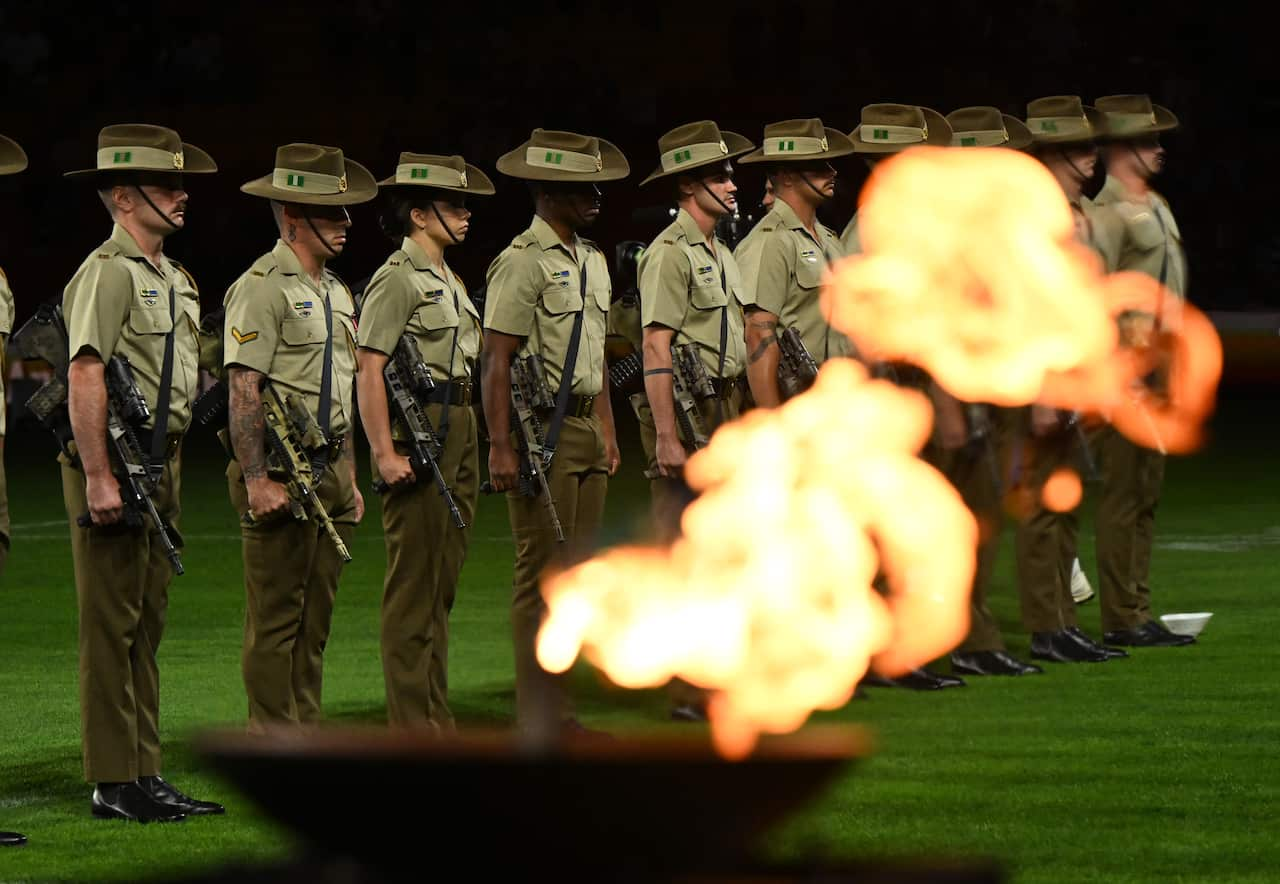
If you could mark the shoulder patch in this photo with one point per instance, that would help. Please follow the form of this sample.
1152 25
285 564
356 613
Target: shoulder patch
243 337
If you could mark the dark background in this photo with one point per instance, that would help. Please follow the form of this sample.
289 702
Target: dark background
379 77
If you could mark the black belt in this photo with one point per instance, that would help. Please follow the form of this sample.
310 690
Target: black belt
579 406
459 390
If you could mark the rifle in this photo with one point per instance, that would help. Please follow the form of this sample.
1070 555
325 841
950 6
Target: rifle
625 370
291 432
45 337
689 380
407 378
797 370
530 392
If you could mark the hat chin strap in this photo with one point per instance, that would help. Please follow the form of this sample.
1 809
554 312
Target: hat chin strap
719 202
324 242
1151 173
167 220
1074 168
447 228
805 179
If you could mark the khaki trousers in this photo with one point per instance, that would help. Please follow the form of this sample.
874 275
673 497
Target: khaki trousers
969 471
291 571
1125 523
122 581
425 552
578 479
668 497
1046 540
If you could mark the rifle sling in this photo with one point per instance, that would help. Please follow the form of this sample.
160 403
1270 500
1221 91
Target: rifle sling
442 432
566 377
160 420
724 346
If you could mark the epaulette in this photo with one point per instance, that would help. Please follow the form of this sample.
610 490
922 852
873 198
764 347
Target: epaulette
668 242
263 266
767 229
394 263
105 256
516 245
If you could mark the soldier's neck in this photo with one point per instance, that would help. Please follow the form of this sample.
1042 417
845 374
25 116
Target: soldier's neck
805 211
431 248
1071 186
151 244
312 264
562 229
704 221
1131 180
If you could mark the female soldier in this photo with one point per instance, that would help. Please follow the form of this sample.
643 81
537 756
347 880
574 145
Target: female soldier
416 294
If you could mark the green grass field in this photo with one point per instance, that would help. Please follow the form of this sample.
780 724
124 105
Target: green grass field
1159 768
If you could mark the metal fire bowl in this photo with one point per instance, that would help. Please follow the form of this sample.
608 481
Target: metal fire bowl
488 803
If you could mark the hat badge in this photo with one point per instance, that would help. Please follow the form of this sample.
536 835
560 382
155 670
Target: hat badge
823 142
342 184
724 148
599 163
463 176
178 160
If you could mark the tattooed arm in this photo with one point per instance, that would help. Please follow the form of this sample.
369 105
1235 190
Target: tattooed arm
762 357
247 429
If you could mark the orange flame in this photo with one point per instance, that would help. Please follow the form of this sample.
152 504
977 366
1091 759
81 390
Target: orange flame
769 596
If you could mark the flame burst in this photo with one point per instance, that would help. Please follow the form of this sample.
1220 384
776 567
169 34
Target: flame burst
770 596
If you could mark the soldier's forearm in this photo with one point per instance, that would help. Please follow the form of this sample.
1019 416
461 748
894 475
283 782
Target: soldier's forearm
375 415
495 394
246 424
762 358
87 407
349 456
603 406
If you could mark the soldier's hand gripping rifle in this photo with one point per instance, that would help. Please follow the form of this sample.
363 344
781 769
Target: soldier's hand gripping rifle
797 369
291 433
407 380
529 392
44 336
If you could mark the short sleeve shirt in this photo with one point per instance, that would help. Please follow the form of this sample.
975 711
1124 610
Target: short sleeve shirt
535 289
117 304
275 325
6 328
409 293
783 269
1149 235
694 291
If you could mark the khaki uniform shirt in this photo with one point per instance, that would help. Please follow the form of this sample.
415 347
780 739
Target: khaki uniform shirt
691 290
1101 230
410 294
534 292
117 304
850 241
1149 236
783 268
275 325
6 329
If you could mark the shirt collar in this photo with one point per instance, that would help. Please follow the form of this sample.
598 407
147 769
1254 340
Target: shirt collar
286 260
417 256
547 237
690 228
788 215
124 240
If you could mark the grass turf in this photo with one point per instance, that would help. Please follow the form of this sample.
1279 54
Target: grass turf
1158 768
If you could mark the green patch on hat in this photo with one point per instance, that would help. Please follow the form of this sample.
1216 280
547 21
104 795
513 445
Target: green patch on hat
122 156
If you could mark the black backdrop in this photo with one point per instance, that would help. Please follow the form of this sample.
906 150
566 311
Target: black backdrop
378 77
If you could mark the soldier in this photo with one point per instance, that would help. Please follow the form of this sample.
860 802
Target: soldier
290 322
690 291
968 453
415 293
129 300
885 130
1064 131
12 160
785 258
548 296
1147 241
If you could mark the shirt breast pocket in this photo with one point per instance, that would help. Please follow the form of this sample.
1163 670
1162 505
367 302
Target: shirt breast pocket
303 332
558 300
706 296
1145 231
144 320
435 315
809 272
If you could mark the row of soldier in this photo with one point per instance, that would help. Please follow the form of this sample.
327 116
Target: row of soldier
288 344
